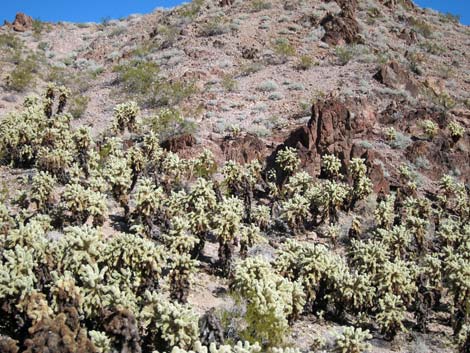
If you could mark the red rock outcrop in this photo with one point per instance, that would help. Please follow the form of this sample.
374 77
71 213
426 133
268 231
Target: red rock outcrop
178 143
331 130
342 28
394 76
22 22
244 150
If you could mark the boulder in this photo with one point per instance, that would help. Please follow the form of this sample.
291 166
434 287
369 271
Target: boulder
331 130
22 22
243 150
394 76
178 143
340 29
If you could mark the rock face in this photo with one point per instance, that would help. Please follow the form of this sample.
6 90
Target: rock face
22 22
343 28
244 150
394 76
331 130
178 143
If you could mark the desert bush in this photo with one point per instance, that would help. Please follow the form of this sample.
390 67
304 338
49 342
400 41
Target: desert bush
22 76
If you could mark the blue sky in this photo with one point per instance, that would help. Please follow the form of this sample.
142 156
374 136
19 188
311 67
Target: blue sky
96 10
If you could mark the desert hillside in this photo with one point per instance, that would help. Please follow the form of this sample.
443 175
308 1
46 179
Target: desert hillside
237 176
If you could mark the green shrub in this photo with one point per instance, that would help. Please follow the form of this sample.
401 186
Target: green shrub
305 62
259 5
78 105
344 54
214 27
22 76
422 27
283 48
229 83
140 80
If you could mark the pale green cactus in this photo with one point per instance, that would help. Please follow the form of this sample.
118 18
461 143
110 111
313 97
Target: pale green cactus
148 198
430 128
101 341
175 324
250 235
271 300
261 216
288 159
181 276
390 134
331 165
17 278
384 213
391 315
398 240
125 117
352 340
42 188
456 130
295 211
298 183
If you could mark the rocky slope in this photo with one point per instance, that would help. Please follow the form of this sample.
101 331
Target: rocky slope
382 80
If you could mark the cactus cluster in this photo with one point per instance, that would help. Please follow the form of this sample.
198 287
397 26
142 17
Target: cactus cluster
104 243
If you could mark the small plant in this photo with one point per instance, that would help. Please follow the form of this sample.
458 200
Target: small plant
456 130
267 86
214 27
22 75
283 48
430 128
305 62
352 340
229 83
288 160
78 105
259 5
344 54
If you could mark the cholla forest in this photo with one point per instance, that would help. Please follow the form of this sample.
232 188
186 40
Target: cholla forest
118 241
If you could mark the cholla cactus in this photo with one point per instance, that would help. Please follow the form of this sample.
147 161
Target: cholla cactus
398 279
288 160
362 185
181 276
16 273
295 211
270 299
64 94
240 347
80 203
125 116
42 190
430 128
333 232
148 200
298 183
227 221
391 315
351 340
463 339
142 257
204 165
332 197
331 165
456 130
249 236
101 341
390 134
136 162
174 324
261 216
384 213
398 240
119 175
